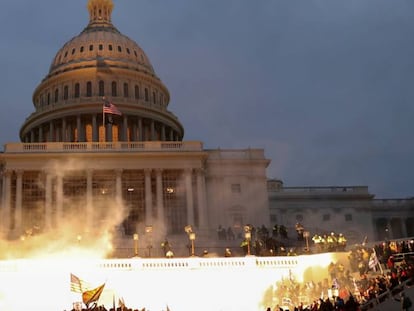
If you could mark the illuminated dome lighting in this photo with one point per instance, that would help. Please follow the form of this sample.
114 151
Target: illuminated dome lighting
101 62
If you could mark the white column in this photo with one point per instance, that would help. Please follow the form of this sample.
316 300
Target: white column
79 128
140 130
64 131
59 199
125 128
89 195
152 134
201 200
118 194
163 132
48 201
95 129
148 198
51 131
7 201
18 203
160 202
3 196
189 196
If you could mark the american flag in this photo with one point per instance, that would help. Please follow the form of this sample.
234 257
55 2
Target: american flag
373 261
75 284
110 108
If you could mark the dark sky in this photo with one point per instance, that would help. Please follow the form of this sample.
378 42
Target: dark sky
324 86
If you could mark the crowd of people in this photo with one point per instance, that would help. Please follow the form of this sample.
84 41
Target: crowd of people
276 242
371 276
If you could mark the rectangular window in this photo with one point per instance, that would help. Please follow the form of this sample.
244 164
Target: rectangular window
326 217
235 188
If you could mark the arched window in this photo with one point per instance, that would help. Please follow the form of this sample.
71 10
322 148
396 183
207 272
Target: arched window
126 91
154 99
114 92
146 95
77 90
101 88
65 92
136 92
48 98
56 95
88 89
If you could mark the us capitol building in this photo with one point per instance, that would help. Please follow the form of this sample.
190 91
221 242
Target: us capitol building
74 160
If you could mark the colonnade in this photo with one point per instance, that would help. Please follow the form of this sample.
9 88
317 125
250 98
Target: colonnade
12 198
393 228
130 128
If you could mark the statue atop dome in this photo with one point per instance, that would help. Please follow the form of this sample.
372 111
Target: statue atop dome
100 12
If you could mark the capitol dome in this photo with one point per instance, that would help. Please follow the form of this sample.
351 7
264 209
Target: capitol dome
101 65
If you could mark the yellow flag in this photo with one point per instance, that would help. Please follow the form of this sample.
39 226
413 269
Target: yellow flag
92 295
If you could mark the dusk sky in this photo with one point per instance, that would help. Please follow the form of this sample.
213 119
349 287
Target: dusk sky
325 87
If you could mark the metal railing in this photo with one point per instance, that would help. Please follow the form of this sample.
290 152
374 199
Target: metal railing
389 294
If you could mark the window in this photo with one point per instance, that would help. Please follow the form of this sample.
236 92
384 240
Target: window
128 51
110 47
48 98
126 91
88 89
82 49
114 92
119 48
65 92
348 217
146 95
235 188
100 47
73 51
101 88
56 95
91 47
77 90
154 100
136 92
66 53
326 217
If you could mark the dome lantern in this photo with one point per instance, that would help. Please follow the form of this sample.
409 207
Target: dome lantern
100 12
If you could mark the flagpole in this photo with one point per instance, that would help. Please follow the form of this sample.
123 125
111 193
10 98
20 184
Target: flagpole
379 263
